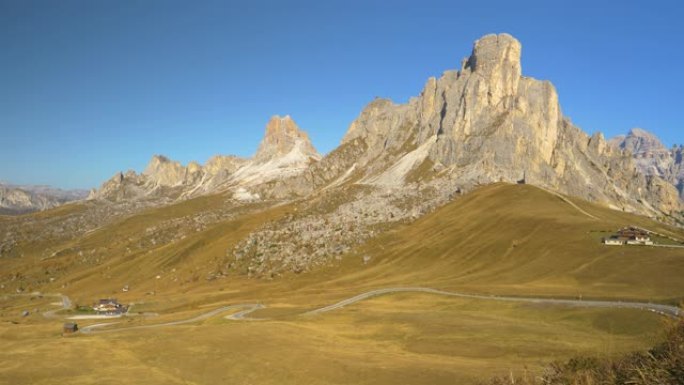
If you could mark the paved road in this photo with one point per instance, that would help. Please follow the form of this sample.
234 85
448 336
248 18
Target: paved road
669 311
66 305
669 246
240 316
664 310
237 316
94 316
66 302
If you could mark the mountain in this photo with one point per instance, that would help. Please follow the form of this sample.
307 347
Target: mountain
652 157
284 138
285 151
16 199
483 123
487 123
410 199
479 125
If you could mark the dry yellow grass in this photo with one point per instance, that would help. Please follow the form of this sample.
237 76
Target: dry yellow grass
407 338
501 239
506 239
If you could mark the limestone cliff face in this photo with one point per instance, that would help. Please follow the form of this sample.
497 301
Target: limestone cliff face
222 163
164 172
486 113
486 122
482 123
282 138
652 158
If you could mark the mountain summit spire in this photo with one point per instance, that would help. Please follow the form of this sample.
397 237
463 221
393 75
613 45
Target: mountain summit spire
281 138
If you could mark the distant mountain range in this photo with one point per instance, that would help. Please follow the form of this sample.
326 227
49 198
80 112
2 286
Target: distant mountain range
289 209
483 123
284 152
652 157
21 199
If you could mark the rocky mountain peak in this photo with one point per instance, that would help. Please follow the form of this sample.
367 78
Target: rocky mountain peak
283 137
651 156
496 58
194 167
156 162
285 151
480 124
640 141
494 53
485 123
227 163
164 171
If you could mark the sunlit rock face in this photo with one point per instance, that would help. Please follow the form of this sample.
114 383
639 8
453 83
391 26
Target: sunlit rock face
284 152
652 158
484 122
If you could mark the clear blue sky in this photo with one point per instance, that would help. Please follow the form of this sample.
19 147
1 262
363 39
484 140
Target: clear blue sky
88 88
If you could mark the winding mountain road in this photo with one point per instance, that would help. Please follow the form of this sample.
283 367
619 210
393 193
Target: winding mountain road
237 316
664 310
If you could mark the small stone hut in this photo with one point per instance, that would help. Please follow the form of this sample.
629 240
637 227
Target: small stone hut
69 328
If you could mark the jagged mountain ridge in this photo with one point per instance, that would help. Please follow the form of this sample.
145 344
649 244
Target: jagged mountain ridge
480 124
483 123
652 157
487 123
25 199
285 151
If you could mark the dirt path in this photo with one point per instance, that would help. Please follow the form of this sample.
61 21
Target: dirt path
571 203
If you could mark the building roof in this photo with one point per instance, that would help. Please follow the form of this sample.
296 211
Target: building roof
106 301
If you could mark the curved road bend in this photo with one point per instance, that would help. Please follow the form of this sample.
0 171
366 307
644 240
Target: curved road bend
240 316
665 310
236 316
66 302
66 305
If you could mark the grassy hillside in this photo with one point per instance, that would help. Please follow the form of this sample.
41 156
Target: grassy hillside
517 239
407 339
500 239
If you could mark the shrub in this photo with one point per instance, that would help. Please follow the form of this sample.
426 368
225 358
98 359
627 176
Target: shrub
661 365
